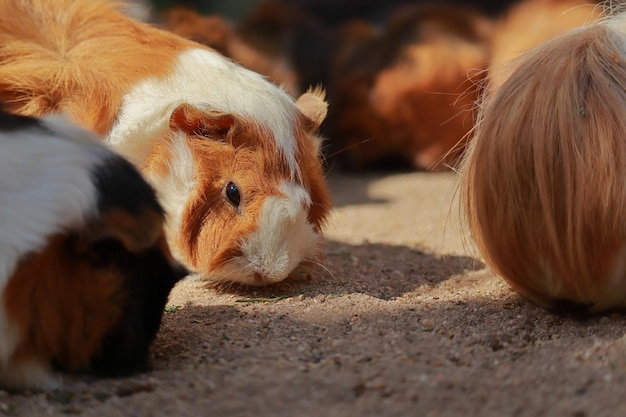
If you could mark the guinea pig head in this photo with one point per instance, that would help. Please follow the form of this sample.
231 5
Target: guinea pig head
249 214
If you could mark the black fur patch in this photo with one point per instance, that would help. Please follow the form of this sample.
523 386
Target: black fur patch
148 280
121 185
11 122
149 276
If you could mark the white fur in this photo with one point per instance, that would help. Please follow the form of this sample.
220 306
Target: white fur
284 237
174 189
206 80
45 186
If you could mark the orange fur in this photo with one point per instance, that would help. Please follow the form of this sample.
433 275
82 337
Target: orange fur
413 98
62 304
543 181
67 298
238 150
531 22
49 66
240 162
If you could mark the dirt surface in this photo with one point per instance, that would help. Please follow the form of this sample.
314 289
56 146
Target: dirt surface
402 321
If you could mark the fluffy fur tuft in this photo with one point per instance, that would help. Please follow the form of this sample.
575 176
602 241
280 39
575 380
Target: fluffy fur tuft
543 180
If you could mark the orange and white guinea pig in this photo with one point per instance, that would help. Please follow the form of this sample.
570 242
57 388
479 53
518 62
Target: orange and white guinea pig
85 270
234 159
543 182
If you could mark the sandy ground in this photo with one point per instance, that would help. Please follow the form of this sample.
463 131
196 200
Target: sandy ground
402 321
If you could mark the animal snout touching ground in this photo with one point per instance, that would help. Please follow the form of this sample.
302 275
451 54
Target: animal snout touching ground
284 239
272 247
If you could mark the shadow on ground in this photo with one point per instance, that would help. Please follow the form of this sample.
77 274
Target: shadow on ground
378 270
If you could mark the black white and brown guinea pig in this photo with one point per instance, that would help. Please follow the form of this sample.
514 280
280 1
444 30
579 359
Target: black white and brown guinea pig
235 160
85 270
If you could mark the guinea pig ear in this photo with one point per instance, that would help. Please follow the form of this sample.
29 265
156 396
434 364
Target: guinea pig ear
136 232
194 121
313 107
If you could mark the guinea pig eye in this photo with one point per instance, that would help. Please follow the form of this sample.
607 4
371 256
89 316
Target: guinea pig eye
232 194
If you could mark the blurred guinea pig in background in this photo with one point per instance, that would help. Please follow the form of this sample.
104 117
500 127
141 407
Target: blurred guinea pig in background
404 94
220 34
529 23
85 271
234 159
402 76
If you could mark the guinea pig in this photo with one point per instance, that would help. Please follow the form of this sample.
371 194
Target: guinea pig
404 97
234 159
85 270
543 181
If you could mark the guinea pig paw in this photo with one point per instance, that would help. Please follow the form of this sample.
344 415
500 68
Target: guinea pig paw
30 374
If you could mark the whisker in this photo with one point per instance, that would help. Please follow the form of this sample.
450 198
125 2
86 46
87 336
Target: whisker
319 265
347 148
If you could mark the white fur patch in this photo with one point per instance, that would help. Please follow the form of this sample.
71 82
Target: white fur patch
174 189
206 80
284 237
45 186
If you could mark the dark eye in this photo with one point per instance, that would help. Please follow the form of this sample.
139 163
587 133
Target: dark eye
232 194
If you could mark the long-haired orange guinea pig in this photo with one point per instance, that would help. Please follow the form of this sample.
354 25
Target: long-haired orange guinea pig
543 181
85 270
234 159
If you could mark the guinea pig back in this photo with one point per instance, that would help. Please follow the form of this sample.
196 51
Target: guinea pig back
543 181
85 271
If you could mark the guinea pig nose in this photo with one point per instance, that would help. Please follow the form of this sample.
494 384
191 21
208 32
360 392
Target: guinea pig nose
258 278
